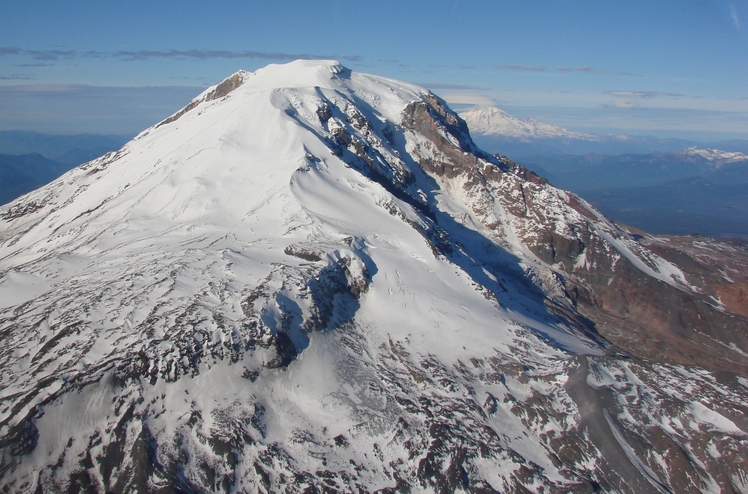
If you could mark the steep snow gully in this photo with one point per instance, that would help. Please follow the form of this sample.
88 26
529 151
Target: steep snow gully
311 280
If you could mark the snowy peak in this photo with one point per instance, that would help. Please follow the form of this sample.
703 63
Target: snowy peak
493 121
386 96
299 73
716 155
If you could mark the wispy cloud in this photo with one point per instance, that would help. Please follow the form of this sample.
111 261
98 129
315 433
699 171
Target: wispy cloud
17 78
42 55
468 99
129 56
451 87
584 69
734 16
620 104
211 54
644 94
634 120
589 70
37 64
50 55
62 108
526 68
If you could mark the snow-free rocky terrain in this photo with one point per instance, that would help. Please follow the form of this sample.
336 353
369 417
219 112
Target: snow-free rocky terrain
311 280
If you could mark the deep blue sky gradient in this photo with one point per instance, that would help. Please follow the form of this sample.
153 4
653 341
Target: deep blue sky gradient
664 67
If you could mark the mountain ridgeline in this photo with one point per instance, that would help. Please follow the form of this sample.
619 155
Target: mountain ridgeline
311 279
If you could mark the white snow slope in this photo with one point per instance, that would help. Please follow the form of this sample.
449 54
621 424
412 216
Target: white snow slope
228 305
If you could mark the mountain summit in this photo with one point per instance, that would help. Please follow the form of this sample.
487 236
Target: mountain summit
311 279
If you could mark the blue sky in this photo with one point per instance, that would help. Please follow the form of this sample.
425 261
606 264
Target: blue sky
668 68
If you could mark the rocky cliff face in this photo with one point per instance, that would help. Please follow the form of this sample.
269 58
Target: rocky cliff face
312 280
636 299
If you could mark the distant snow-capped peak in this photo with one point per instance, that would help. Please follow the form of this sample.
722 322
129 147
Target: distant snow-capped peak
494 121
716 154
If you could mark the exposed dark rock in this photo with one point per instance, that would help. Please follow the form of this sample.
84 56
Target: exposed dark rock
642 315
220 91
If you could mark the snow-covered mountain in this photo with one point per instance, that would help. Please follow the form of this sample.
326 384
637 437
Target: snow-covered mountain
492 121
496 131
310 279
717 156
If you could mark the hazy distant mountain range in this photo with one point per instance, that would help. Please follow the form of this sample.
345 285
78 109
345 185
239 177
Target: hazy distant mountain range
29 159
61 148
685 206
21 174
696 190
594 171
